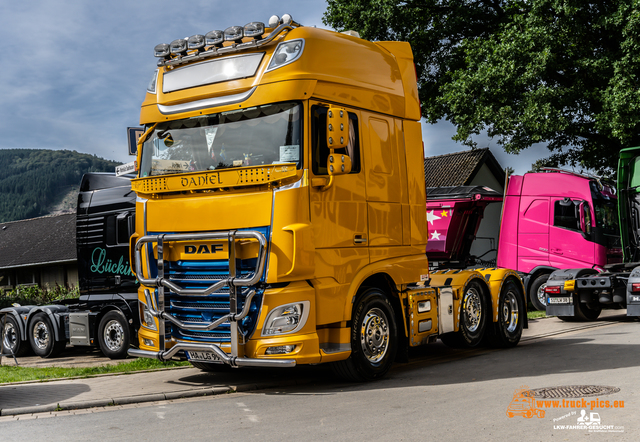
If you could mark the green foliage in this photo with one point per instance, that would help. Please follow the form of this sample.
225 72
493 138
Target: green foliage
34 295
31 178
21 374
561 72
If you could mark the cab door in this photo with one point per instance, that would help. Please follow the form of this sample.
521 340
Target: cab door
569 245
338 215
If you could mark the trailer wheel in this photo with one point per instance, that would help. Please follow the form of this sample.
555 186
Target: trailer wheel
211 368
11 338
507 331
374 338
42 337
536 292
113 335
473 319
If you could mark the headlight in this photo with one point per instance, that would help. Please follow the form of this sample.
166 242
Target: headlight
214 38
195 42
254 29
234 33
286 52
161 50
286 319
146 319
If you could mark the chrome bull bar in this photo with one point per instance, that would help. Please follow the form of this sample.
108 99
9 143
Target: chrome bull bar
233 282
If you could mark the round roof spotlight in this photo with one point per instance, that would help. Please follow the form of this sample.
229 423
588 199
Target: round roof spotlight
214 38
196 42
274 21
179 46
234 33
287 19
162 50
254 29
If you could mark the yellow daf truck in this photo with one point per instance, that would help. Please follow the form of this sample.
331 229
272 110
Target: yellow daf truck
280 215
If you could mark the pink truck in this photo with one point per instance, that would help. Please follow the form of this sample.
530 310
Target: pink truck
557 220
550 220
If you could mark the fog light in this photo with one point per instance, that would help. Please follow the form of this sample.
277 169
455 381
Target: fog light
148 342
280 350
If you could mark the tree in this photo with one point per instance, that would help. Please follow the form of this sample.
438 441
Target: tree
561 72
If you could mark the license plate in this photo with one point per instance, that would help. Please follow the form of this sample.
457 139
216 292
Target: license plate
563 300
205 356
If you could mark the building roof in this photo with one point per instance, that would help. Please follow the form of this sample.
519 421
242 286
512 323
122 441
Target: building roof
37 241
459 168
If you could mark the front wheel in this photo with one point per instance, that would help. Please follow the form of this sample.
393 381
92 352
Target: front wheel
42 337
113 335
374 337
473 318
12 342
507 331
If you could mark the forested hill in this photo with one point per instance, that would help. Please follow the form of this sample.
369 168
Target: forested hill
34 181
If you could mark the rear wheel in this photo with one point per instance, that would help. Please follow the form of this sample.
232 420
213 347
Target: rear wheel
113 335
473 318
536 293
12 342
507 331
374 338
42 337
583 313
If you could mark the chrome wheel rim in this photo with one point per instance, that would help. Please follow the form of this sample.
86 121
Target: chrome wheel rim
41 335
472 308
113 335
510 312
374 335
542 299
10 338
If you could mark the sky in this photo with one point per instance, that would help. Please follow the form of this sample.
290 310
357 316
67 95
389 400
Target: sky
75 72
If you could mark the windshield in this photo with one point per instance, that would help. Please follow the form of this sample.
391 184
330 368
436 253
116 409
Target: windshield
268 134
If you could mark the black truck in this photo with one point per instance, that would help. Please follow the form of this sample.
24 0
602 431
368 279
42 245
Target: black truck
106 313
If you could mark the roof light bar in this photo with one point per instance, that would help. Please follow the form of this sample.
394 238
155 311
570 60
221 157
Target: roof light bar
210 45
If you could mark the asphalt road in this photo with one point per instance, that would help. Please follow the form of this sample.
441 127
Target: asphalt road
440 395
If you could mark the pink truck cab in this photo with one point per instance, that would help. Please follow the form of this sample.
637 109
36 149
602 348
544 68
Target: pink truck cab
557 220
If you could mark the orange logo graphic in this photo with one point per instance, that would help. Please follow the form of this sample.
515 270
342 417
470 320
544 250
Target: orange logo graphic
524 404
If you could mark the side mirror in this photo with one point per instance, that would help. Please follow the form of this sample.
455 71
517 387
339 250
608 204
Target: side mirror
337 138
338 164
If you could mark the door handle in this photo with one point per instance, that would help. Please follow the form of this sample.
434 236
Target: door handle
359 239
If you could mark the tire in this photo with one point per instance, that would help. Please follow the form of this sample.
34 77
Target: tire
11 340
583 313
211 368
113 335
474 311
374 339
42 337
536 292
507 330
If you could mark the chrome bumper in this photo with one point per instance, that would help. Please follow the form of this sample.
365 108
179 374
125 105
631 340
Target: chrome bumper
233 282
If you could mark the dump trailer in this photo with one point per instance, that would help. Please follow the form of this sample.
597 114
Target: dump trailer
582 293
106 313
280 213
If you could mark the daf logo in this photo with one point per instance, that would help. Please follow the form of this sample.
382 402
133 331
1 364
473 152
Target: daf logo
190 250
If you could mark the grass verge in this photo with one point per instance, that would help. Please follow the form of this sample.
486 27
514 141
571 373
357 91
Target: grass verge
21 374
536 314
